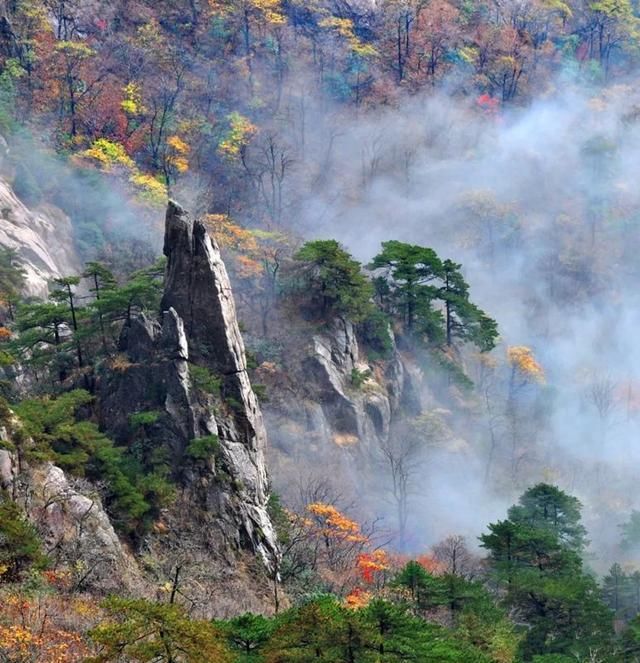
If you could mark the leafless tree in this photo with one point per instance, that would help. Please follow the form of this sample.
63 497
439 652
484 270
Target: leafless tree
601 395
400 453
456 557
267 169
371 155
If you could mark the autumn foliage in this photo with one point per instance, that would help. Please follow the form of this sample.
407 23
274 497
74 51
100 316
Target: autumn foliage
334 525
47 628
369 564
523 361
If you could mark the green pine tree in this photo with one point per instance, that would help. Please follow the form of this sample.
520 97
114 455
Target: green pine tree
535 559
330 281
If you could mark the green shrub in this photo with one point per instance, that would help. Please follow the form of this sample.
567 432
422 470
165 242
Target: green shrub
233 403
20 547
204 380
134 490
358 378
147 418
252 362
260 390
204 447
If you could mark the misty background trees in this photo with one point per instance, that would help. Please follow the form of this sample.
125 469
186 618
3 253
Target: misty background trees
491 148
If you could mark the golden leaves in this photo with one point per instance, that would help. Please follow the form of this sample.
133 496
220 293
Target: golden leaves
229 234
30 628
150 189
270 11
522 360
178 145
178 152
344 28
108 154
132 102
252 249
240 133
335 524
74 50
358 598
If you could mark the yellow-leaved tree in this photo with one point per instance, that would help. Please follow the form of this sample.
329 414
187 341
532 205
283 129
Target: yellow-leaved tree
526 373
249 17
524 364
612 24
111 157
256 259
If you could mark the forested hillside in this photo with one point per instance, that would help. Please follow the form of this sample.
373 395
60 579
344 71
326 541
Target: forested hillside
318 331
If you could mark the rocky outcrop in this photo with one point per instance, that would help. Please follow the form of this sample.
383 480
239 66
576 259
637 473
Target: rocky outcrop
42 238
333 408
76 532
183 374
353 8
188 368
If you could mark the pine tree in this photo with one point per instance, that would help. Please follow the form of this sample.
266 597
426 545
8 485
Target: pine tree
430 297
617 592
101 280
331 281
535 559
65 293
408 286
463 319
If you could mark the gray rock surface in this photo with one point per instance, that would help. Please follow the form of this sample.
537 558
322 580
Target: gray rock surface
75 529
197 334
187 366
321 411
43 239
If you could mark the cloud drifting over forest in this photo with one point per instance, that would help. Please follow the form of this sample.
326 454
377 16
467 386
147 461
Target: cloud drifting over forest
541 206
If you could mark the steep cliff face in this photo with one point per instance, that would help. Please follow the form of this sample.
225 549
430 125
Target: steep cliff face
188 368
184 372
334 409
43 239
